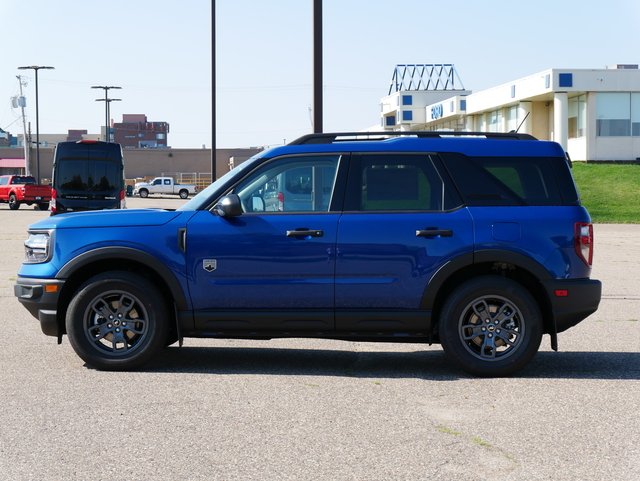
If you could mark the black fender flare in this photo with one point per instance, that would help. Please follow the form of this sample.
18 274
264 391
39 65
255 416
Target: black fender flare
129 253
469 259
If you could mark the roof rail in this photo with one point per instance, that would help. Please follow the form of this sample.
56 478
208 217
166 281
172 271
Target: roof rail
330 138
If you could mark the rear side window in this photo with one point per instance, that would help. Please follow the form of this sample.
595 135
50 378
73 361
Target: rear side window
504 181
396 182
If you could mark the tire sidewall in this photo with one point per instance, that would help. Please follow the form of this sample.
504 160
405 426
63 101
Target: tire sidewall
138 287
458 301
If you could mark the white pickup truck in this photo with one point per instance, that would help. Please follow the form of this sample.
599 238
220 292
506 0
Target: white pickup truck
164 185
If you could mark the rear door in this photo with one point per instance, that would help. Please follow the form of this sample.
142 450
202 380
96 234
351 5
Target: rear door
401 224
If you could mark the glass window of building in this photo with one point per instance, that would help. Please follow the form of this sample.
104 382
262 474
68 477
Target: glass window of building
577 116
512 118
495 121
613 114
635 114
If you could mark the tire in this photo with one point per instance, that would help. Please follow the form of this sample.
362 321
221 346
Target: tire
184 194
499 344
117 321
144 193
13 202
43 206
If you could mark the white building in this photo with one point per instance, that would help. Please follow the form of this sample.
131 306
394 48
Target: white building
593 113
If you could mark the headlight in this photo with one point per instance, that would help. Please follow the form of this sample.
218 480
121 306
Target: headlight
37 247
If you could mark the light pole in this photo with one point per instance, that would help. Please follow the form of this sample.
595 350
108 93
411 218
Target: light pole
213 91
35 69
107 133
106 100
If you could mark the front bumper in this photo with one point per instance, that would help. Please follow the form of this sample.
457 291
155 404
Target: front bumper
573 301
40 298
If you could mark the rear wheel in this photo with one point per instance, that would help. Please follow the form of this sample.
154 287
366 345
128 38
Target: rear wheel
184 194
117 321
490 326
43 206
13 202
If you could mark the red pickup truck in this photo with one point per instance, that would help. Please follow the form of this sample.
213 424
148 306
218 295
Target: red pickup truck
18 189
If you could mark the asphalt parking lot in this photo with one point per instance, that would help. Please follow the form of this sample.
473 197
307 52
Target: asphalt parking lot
321 409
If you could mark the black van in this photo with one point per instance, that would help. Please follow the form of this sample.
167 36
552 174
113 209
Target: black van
87 175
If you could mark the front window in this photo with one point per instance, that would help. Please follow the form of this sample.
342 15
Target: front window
293 184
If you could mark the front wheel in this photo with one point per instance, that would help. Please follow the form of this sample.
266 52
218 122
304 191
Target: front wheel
144 193
490 326
13 202
117 321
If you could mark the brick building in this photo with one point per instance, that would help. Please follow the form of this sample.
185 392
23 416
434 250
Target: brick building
135 132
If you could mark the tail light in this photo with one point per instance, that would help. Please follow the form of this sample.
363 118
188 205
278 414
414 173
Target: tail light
583 241
54 195
280 201
123 202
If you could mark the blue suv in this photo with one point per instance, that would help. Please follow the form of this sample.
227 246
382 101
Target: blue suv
476 241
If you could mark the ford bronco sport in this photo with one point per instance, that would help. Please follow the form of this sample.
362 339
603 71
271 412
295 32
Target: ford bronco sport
476 241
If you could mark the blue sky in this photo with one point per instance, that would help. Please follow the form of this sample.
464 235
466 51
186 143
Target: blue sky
162 58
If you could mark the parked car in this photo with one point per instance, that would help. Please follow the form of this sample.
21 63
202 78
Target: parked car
87 175
475 241
164 185
23 189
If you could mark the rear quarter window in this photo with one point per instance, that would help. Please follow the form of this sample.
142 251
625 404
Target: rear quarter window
504 181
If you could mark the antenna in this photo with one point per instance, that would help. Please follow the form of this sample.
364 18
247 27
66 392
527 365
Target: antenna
518 129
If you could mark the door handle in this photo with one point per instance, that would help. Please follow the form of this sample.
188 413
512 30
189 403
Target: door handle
434 232
305 233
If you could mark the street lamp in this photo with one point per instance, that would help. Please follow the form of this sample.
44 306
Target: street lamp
35 69
108 108
107 101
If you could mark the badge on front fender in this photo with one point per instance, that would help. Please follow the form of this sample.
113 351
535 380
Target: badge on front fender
209 265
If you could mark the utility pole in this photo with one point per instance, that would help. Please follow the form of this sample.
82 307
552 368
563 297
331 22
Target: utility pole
22 102
317 66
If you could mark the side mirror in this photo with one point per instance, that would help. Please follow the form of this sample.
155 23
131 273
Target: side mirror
229 206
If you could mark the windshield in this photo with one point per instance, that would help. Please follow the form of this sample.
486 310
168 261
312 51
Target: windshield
206 196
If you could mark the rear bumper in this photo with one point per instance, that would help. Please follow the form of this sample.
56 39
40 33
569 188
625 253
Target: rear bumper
581 300
36 199
40 298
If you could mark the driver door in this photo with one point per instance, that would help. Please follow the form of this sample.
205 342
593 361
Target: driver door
271 268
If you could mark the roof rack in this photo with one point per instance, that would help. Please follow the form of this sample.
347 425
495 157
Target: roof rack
330 138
